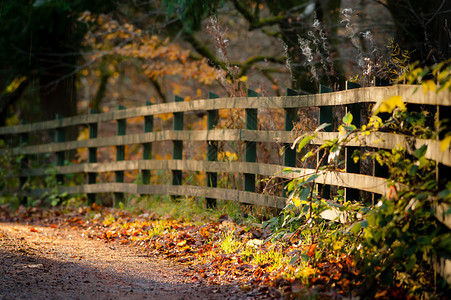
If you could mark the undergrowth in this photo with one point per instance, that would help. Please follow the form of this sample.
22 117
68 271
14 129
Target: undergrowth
394 242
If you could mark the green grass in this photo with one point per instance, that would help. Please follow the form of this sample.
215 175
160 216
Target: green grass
229 244
185 208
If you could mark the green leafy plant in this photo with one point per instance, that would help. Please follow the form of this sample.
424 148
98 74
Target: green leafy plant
401 235
394 242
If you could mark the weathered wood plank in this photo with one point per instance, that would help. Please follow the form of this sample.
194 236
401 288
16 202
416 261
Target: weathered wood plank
177 152
383 140
250 146
409 93
120 154
166 135
350 166
357 181
24 165
325 116
92 157
290 117
442 265
441 213
212 150
184 190
147 147
380 140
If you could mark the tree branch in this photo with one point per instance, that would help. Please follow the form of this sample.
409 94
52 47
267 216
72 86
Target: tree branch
254 21
101 90
157 87
204 51
255 59
272 34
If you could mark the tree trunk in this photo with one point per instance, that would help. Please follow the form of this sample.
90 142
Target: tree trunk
58 96
423 27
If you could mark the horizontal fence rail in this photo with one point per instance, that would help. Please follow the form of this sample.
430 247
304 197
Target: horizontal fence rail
379 140
368 183
250 170
358 181
408 93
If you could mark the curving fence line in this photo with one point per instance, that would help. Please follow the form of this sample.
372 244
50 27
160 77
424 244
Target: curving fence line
350 178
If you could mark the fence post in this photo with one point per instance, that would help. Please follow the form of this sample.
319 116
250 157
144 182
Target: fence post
325 116
289 158
92 157
212 150
251 147
177 152
120 155
378 169
350 166
23 140
147 147
60 137
443 171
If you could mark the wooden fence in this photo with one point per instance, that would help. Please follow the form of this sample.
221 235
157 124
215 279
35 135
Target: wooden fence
350 178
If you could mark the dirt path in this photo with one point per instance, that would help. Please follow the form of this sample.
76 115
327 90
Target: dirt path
60 263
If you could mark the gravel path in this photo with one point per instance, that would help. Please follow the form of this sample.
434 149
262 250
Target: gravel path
62 263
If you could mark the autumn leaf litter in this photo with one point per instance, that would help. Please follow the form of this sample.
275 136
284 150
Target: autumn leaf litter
215 253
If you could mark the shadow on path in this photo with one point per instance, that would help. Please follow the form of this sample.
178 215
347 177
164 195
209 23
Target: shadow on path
61 264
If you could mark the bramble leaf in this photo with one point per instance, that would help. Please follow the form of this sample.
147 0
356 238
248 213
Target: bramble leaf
444 144
322 126
421 151
304 142
347 119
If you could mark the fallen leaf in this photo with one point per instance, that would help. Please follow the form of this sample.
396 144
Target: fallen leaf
311 250
182 243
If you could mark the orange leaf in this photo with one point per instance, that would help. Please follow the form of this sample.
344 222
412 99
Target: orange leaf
95 206
53 226
33 229
311 250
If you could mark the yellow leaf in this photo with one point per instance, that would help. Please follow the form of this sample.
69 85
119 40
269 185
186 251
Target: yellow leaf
243 78
337 245
447 85
14 85
390 104
431 85
444 144
442 75
425 87
83 135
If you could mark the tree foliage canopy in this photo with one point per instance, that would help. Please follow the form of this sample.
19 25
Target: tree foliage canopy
43 41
